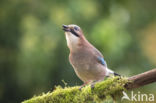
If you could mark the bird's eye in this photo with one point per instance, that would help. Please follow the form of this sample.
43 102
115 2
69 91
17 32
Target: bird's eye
76 28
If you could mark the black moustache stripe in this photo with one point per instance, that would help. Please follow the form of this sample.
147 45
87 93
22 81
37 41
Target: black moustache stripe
73 32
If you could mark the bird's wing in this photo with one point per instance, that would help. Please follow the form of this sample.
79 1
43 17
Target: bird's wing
102 61
99 57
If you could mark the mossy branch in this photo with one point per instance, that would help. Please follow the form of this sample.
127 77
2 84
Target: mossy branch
111 87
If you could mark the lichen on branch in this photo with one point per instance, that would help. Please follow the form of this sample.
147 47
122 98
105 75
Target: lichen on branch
102 91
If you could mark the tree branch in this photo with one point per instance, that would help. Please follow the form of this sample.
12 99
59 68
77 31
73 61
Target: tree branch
111 87
141 79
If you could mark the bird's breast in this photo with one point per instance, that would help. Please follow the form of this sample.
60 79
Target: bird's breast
86 69
80 60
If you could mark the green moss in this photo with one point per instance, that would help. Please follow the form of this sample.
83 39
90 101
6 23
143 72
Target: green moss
103 91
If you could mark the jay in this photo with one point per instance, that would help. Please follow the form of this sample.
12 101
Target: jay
88 63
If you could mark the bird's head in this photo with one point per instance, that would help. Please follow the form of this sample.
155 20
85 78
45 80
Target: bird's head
74 35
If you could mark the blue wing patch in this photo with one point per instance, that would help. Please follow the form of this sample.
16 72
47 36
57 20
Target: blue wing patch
102 61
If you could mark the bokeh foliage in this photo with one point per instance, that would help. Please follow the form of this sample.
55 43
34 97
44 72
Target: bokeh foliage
33 51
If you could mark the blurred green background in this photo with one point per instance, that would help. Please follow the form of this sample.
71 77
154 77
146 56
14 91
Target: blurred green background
33 50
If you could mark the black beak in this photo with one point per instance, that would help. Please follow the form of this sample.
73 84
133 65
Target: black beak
65 27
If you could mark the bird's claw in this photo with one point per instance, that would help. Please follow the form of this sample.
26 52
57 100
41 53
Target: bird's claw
81 88
92 85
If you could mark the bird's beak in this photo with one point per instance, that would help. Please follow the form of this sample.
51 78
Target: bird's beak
65 28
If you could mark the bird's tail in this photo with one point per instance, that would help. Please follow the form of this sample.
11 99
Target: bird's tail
110 72
116 74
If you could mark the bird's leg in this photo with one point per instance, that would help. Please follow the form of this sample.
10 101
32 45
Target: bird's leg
93 83
83 85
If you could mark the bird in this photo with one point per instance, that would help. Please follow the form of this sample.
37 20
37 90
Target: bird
87 61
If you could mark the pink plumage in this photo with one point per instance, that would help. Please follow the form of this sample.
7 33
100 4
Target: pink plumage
86 60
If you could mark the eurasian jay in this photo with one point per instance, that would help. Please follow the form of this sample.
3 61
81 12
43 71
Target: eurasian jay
87 61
